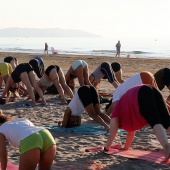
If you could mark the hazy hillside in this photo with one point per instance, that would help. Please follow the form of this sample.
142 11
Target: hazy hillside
48 32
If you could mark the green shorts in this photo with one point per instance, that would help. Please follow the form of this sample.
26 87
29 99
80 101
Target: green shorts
42 139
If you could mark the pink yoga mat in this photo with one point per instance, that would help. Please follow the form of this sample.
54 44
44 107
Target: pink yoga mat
11 166
151 156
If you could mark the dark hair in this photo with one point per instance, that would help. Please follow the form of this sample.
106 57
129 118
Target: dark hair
13 90
4 118
116 66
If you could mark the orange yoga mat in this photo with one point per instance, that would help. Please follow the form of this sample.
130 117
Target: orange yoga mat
151 156
11 166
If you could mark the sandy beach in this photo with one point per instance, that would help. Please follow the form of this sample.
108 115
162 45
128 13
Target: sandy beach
71 146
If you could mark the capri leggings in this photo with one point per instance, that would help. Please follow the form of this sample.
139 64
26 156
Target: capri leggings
108 72
48 70
88 95
36 66
23 67
153 107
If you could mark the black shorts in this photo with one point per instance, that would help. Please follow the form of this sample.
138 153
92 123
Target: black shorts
152 106
23 67
37 67
48 70
88 95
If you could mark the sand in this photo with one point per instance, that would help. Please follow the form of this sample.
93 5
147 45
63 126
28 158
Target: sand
70 146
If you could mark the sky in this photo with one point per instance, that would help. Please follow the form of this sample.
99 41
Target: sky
108 18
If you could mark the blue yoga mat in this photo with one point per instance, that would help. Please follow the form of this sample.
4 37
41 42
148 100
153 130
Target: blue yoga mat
88 129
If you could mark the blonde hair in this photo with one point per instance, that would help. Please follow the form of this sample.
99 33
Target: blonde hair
4 118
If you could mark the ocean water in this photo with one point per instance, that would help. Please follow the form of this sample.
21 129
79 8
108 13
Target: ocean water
98 46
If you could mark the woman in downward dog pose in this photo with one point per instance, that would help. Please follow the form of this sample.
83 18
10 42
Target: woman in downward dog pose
105 70
23 72
54 75
36 144
79 69
144 77
140 106
85 98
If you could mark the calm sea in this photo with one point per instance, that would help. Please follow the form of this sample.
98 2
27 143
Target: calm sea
98 46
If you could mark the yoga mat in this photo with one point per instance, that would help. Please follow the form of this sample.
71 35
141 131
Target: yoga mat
88 129
150 156
11 166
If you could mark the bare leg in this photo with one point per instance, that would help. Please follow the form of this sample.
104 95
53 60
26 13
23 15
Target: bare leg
63 83
46 158
54 77
30 159
118 75
32 78
25 80
86 76
162 138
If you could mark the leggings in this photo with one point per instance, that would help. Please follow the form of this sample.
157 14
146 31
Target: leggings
153 107
88 95
108 72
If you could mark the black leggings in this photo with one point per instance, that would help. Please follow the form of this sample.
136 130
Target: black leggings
88 95
153 107
108 72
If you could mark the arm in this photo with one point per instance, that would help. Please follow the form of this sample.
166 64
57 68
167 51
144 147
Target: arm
67 114
3 152
7 85
129 139
114 125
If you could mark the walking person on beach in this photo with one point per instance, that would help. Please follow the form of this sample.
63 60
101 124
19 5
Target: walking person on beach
138 107
144 77
36 144
79 69
85 98
118 46
105 70
46 48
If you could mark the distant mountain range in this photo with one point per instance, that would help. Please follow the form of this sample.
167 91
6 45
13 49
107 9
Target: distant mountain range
44 32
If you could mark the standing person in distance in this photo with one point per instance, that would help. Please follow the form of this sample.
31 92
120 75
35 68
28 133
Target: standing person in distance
118 46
